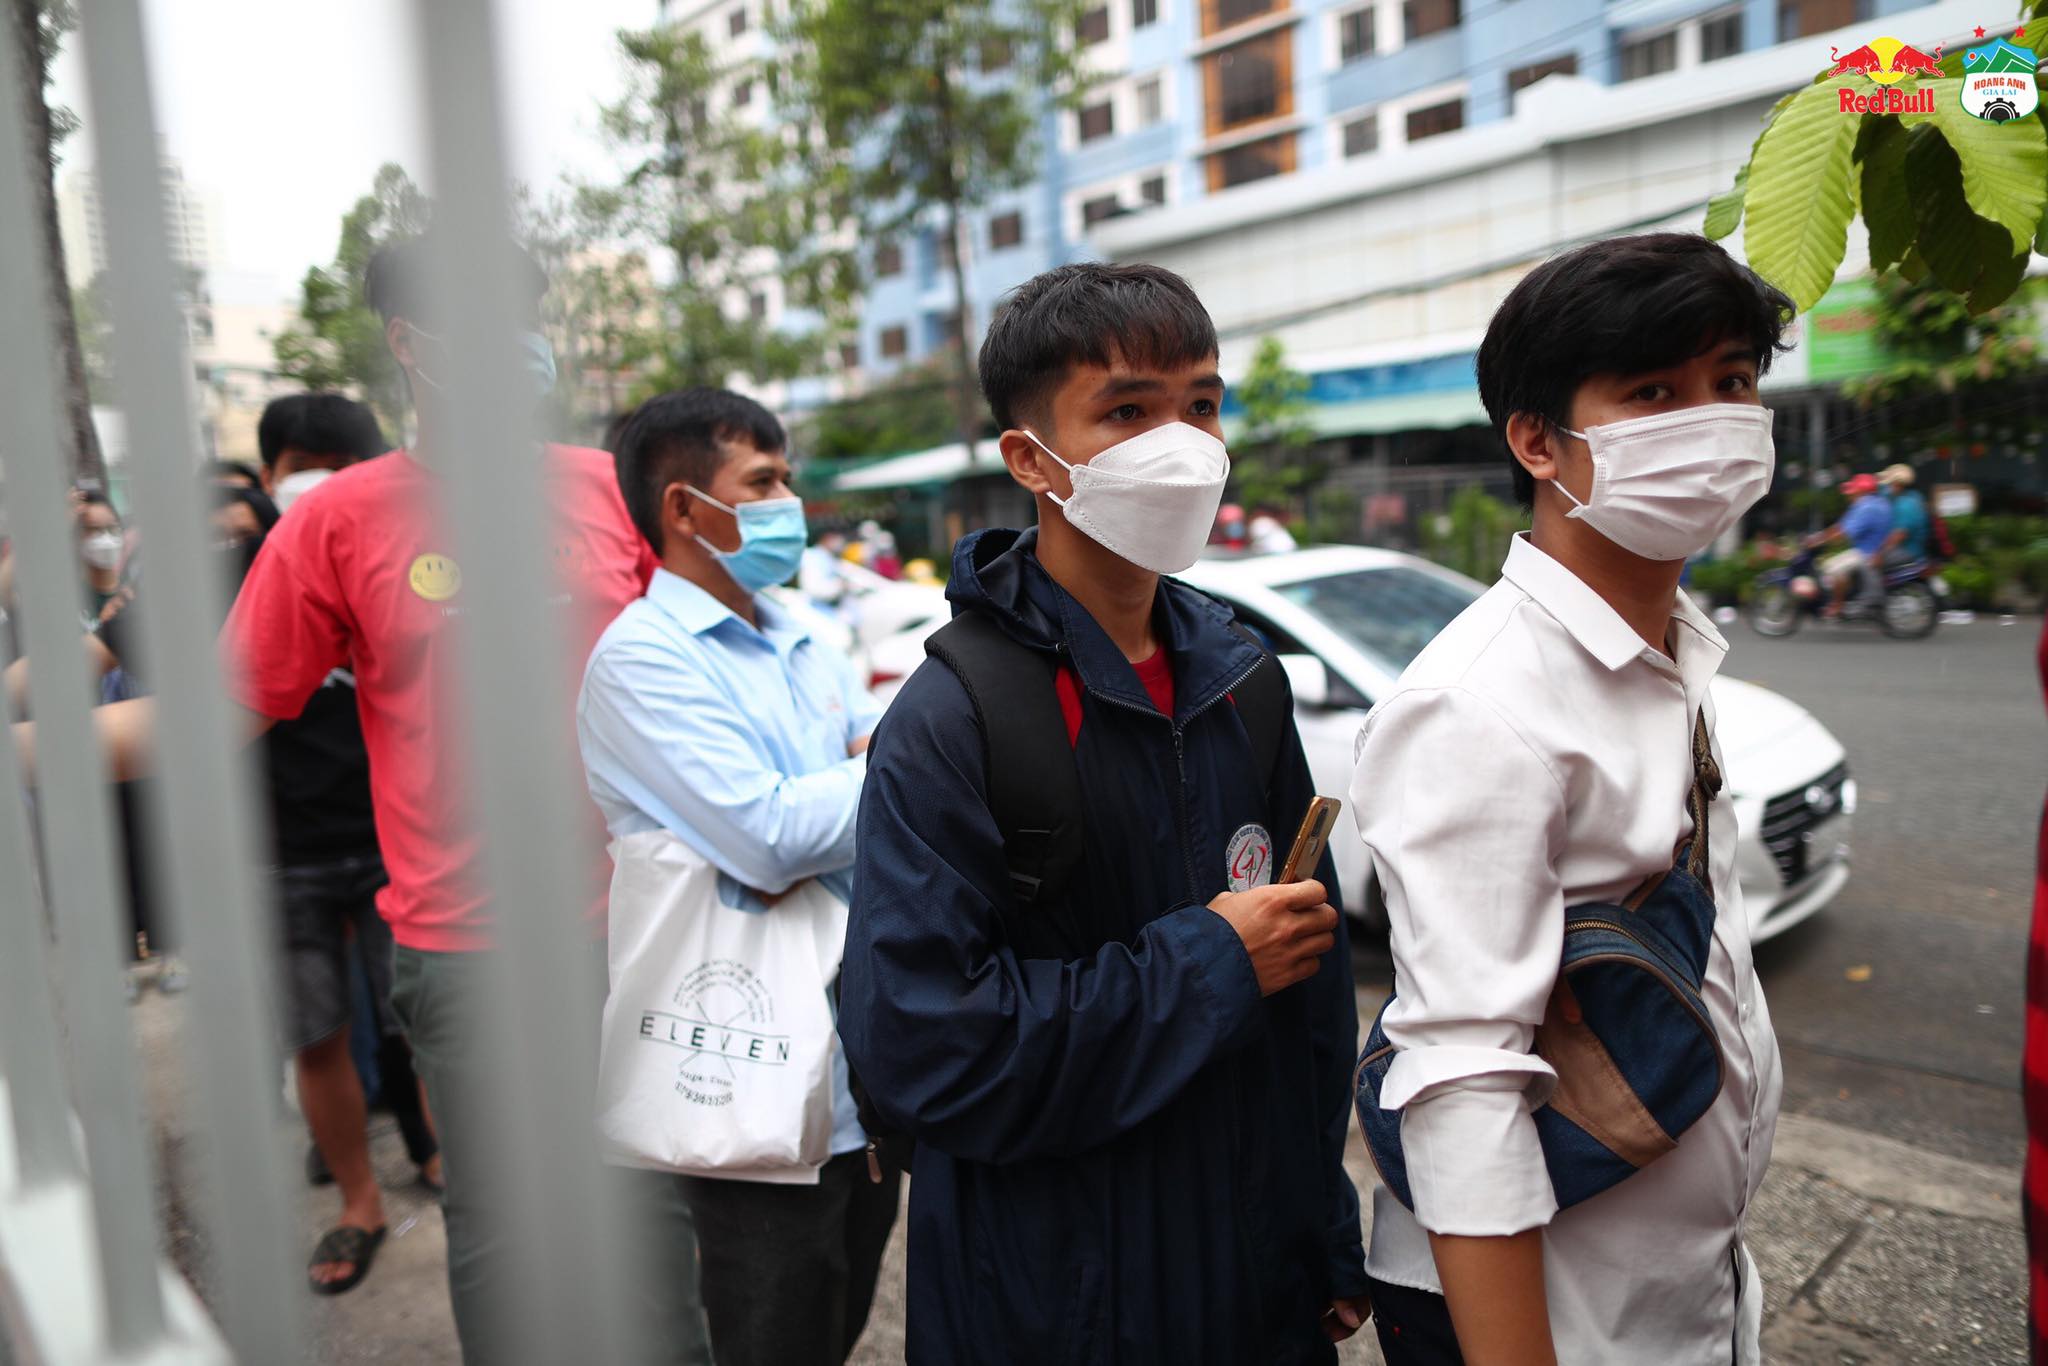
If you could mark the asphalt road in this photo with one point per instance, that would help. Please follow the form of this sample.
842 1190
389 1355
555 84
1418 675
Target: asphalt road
1948 743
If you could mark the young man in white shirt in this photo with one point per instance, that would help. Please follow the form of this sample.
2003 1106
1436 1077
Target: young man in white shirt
1537 756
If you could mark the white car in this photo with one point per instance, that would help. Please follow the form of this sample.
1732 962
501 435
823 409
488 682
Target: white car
1346 620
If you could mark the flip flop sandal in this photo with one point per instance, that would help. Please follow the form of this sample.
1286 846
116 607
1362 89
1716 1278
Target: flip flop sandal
357 1247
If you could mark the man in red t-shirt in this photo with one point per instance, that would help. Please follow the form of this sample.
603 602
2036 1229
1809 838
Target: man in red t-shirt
360 576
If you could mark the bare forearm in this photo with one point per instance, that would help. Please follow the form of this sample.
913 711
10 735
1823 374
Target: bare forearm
127 736
1494 1287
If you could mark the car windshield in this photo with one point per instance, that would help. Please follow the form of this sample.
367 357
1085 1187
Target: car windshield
1389 614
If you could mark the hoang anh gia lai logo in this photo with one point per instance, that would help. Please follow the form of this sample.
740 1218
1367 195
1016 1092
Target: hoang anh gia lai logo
1998 80
1886 62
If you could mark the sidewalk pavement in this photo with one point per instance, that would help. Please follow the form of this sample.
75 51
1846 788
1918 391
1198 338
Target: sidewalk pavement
1873 1252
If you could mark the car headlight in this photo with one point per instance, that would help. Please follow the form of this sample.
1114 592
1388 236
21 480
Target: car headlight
1849 796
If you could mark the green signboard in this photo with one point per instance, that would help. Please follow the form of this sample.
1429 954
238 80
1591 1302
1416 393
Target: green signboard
1841 333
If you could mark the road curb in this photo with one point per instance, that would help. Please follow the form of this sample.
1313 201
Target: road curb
1895 1173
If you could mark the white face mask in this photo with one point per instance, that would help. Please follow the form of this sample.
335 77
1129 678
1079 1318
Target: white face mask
101 549
293 487
1667 486
1150 500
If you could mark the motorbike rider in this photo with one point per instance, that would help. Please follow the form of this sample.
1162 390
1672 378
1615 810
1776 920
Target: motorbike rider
1866 529
1910 524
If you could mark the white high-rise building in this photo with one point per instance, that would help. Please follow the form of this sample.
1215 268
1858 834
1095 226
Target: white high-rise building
191 217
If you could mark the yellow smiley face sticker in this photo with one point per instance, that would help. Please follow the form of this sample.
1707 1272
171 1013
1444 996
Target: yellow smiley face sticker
435 577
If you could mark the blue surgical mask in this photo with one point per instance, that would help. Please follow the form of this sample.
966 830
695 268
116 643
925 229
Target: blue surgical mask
535 351
772 538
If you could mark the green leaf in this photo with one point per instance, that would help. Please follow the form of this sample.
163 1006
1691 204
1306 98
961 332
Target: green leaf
1912 268
1797 197
2005 165
1948 238
2000 278
1724 210
1887 202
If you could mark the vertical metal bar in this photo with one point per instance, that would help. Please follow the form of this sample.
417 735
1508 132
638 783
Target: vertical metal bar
205 816
77 818
28 1010
526 784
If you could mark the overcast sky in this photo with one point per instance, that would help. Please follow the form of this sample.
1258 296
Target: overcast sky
285 109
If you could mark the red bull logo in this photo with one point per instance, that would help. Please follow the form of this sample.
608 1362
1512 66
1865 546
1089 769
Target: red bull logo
1885 62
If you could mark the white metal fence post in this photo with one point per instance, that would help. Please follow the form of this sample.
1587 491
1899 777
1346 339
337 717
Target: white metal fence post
77 821
526 783
206 818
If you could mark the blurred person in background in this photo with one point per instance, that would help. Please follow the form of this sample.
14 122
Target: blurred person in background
102 548
360 577
1268 533
709 712
1866 530
821 577
233 474
326 871
1910 524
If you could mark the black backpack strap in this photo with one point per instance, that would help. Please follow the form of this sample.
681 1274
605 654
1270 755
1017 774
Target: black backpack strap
1034 789
1261 700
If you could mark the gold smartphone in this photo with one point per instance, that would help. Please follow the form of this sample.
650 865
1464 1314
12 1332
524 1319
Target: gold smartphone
1311 839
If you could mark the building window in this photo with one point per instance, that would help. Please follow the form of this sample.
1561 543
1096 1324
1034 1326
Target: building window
1802 18
1420 18
944 250
1144 12
1151 101
1097 121
1218 15
895 342
1721 37
1095 210
757 306
1362 136
1253 161
1094 26
995 54
888 260
742 94
849 355
1427 122
1249 82
1649 56
1354 36
1152 191
1522 77
1005 230
736 22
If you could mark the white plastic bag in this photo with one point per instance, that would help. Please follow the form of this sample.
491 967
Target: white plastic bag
716 1055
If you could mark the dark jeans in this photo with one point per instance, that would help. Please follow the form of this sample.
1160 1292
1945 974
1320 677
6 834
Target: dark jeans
438 997
1414 1327
789 1271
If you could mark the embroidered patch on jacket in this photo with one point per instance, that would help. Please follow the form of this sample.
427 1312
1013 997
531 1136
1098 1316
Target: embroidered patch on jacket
1250 858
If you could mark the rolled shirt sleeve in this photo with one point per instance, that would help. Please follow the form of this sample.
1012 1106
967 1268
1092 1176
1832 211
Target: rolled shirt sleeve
1464 822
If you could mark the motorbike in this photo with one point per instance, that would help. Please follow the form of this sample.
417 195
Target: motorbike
1909 608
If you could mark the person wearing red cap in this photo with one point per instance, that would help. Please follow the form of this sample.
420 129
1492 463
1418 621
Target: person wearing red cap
1866 526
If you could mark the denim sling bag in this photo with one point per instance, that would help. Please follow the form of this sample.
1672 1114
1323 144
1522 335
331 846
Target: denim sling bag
1625 1028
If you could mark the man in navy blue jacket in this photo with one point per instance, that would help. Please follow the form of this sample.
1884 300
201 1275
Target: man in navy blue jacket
1130 1107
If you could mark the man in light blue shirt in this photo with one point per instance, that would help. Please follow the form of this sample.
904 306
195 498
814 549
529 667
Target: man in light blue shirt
710 712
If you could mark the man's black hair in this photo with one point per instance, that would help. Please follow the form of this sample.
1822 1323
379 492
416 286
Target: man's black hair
1619 307
395 281
256 500
318 424
680 438
93 498
1087 314
230 469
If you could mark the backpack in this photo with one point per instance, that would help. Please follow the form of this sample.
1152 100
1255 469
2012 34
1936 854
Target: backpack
1034 788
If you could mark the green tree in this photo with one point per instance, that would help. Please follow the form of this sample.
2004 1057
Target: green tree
599 307
734 212
925 110
912 411
37 30
338 341
1942 194
1267 463
1934 345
